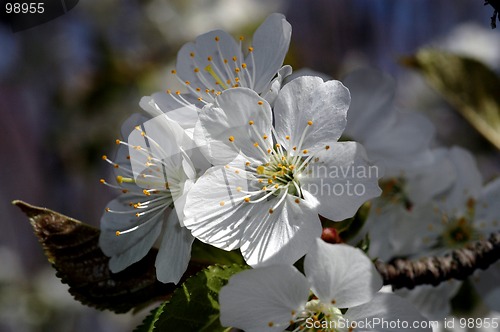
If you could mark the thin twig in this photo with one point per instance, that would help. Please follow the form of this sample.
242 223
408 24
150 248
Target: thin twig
459 264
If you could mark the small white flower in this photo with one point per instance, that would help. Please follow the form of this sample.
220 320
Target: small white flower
153 172
271 182
216 62
337 277
463 214
405 201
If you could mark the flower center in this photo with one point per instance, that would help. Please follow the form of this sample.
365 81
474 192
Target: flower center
318 316
393 191
458 232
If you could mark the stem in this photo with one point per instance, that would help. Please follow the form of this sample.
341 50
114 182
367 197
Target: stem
459 264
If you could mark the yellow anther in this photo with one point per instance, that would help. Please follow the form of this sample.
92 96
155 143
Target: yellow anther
137 214
247 199
196 70
217 38
228 81
264 137
145 192
108 209
238 189
231 138
118 141
291 167
187 83
225 61
294 148
287 137
242 38
237 70
118 233
278 145
191 54
260 102
102 181
260 170
119 179
174 71
305 151
269 181
310 123
327 147
198 89
268 150
243 65
256 144
116 166
222 203
297 200
276 186
177 92
209 58
247 163
236 79
260 180
270 212
200 99
250 49
168 91
235 58
250 122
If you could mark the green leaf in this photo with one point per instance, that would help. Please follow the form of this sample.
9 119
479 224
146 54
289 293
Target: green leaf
194 306
73 250
470 86
148 324
210 255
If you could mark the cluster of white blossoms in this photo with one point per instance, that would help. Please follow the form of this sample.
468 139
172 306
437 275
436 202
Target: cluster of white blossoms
243 160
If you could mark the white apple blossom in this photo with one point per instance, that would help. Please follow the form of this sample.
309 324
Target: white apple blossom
216 62
269 183
153 172
467 212
337 293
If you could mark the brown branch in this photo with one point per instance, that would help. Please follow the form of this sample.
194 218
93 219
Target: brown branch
459 264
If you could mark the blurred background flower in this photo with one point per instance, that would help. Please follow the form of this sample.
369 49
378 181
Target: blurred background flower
67 85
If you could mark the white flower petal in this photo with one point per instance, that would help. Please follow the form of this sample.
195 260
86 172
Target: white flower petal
255 298
193 59
468 184
431 180
280 237
486 284
130 247
305 99
341 178
371 110
432 302
270 43
175 251
391 309
402 145
238 120
163 103
214 209
487 208
274 86
341 274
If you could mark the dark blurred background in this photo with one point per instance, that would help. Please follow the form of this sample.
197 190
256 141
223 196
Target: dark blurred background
67 85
